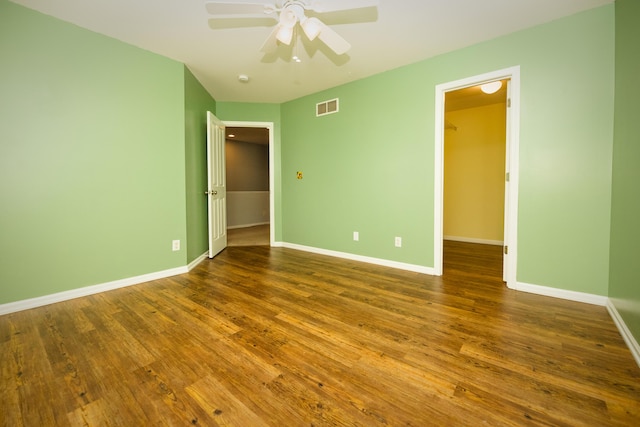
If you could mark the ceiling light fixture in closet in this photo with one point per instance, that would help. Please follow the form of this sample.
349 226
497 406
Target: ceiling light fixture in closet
491 87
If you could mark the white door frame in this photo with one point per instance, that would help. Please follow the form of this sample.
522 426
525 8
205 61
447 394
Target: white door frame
269 126
513 142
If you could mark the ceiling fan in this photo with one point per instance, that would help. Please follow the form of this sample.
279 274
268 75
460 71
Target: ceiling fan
288 14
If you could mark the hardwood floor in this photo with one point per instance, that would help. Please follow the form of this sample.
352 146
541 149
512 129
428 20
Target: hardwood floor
264 336
257 235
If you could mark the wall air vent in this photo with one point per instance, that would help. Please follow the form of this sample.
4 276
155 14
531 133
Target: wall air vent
327 107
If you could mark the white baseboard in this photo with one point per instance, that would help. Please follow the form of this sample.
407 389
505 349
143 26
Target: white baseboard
562 293
361 258
627 336
13 307
193 264
474 240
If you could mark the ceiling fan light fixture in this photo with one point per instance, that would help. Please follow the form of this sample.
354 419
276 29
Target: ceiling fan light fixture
311 27
491 87
288 17
285 34
290 14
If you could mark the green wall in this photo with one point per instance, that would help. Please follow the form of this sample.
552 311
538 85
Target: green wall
197 103
624 286
260 112
101 162
92 157
369 168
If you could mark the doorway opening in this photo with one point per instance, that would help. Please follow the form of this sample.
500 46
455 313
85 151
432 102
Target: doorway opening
250 196
476 169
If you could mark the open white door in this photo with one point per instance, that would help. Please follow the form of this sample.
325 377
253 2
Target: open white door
505 249
216 185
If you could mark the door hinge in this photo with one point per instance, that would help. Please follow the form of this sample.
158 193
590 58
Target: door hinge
506 250
508 102
507 177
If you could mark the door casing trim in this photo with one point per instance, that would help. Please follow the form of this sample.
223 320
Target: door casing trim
513 140
269 126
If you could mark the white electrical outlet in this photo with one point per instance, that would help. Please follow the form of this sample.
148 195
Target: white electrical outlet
356 236
398 242
175 245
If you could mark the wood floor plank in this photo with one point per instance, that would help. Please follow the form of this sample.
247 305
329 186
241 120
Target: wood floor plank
36 376
118 342
484 404
11 371
264 336
162 392
227 410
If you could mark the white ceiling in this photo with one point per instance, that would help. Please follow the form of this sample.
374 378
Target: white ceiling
395 33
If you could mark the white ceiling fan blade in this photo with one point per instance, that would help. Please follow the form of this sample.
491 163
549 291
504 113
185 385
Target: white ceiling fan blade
271 43
333 40
239 8
227 22
322 6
